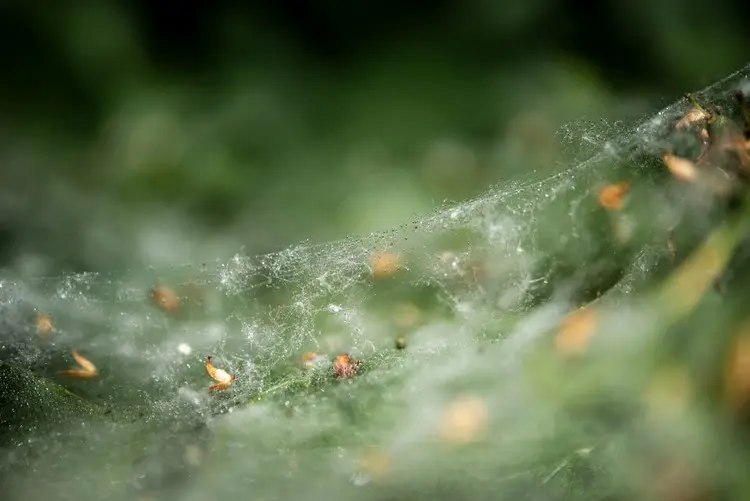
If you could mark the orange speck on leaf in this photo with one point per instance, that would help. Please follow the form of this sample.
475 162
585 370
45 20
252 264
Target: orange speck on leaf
384 264
165 298
575 331
612 196
463 421
87 371
224 380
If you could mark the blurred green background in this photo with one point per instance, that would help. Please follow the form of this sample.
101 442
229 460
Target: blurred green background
137 132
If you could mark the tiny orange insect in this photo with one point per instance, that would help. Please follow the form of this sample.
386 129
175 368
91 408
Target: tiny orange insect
612 196
87 371
575 331
681 168
737 371
384 264
165 298
224 380
44 324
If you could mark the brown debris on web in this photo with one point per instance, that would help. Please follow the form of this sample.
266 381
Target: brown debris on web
87 371
222 377
400 343
309 358
723 164
682 169
695 116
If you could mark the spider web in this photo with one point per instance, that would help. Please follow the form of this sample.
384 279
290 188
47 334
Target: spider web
477 283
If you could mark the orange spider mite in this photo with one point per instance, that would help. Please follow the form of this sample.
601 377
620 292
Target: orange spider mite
224 380
345 367
87 369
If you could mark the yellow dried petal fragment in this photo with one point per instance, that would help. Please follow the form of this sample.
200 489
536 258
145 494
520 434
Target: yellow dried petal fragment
220 375
87 371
